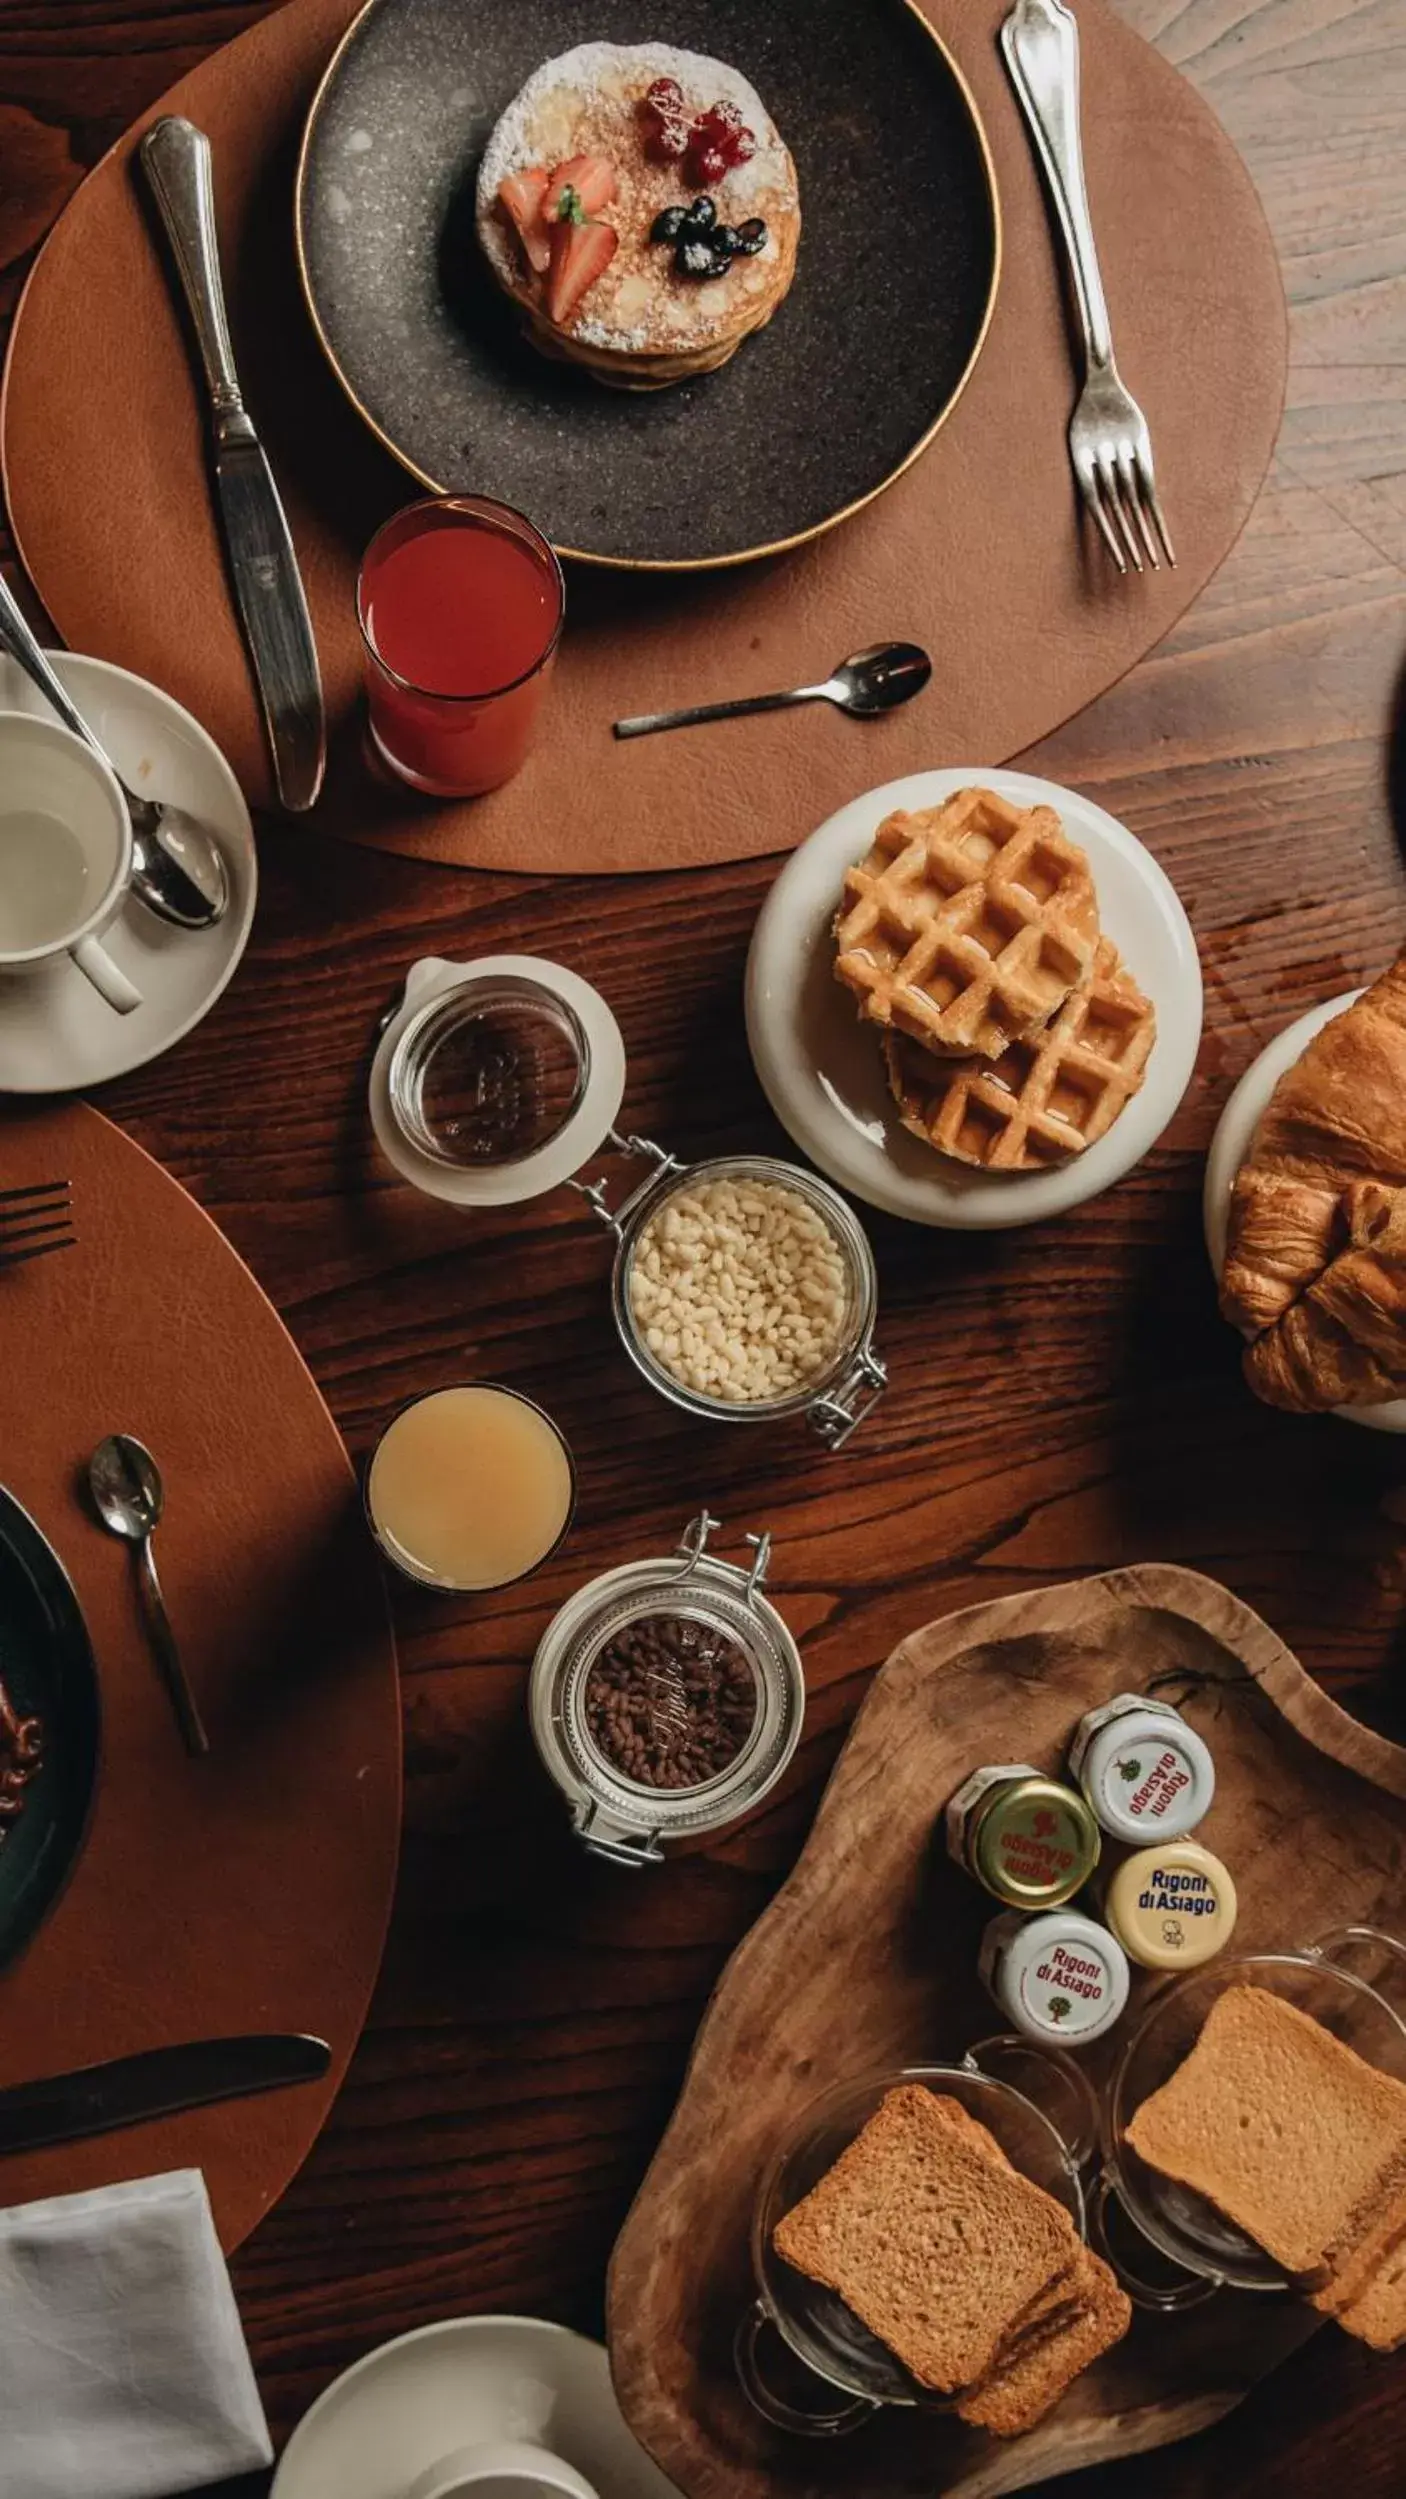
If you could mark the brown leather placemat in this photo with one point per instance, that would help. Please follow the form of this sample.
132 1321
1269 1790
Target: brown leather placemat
976 551
249 1891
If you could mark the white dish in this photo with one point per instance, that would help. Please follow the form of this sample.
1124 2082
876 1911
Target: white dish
821 1068
1231 1143
56 1034
466 2381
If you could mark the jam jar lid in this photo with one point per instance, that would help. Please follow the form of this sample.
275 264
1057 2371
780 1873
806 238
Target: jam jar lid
1172 1907
624 1804
1035 1843
495 1080
1146 1773
1059 1976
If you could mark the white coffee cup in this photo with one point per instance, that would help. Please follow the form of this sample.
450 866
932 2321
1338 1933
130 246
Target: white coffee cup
501 2469
65 854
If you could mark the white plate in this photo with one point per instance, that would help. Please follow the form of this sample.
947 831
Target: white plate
821 1068
1231 1143
56 1033
467 2380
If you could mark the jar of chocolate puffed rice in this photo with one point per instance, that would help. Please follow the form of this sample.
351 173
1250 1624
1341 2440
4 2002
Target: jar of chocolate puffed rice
666 1697
744 1289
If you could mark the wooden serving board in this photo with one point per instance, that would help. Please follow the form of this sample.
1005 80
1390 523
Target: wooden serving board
867 1959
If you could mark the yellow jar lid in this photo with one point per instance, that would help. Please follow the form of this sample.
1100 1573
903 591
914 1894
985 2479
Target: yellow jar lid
1171 1908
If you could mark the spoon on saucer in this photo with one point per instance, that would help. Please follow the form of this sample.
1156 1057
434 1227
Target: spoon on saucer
178 869
869 682
127 1491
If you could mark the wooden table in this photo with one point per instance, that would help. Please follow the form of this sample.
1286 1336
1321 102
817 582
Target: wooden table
1065 1397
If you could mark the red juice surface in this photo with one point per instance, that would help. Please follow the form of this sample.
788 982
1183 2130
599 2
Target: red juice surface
460 608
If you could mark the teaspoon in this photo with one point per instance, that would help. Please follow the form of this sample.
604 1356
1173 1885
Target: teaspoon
871 681
178 869
126 1488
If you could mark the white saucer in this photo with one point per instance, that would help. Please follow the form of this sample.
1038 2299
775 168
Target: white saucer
1231 1143
472 2378
821 1069
56 1033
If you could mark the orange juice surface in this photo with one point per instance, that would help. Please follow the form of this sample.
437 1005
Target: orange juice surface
470 1488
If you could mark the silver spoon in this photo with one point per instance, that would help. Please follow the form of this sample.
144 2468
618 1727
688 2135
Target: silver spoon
126 1489
178 869
871 681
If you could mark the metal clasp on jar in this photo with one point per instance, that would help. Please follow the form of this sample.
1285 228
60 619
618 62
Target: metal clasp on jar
842 1408
635 1149
693 1544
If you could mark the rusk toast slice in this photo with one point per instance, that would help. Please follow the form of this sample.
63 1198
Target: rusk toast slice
1028 2382
939 2249
1280 2124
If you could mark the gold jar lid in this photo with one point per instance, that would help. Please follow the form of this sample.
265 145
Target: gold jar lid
1036 1843
1172 1908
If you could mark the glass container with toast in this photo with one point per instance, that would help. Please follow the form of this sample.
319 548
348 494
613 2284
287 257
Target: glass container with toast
805 2359
1174 2242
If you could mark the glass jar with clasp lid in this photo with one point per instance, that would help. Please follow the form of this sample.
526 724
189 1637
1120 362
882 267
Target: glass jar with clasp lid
666 1698
744 1287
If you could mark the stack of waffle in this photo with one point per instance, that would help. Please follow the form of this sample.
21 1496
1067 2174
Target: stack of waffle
973 2276
1012 1035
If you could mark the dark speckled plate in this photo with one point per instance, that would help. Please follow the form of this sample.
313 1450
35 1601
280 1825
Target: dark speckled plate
46 1673
898 264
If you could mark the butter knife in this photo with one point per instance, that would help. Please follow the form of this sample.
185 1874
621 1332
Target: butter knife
263 568
157 2082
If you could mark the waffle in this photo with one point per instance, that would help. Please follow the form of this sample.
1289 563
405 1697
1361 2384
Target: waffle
1044 1100
641 327
967 926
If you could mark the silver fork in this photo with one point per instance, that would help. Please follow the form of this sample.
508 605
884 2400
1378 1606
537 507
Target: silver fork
35 1220
1109 443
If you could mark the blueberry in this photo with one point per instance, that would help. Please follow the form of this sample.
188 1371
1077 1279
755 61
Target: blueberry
700 216
751 235
666 225
726 239
694 258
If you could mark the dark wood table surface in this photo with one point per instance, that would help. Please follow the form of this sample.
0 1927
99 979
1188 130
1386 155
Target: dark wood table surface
1065 1397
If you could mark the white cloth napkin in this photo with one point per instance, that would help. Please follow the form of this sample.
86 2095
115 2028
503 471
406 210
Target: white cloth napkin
123 2367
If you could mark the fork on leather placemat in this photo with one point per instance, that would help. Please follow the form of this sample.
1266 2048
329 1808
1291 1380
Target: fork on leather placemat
1109 443
35 1220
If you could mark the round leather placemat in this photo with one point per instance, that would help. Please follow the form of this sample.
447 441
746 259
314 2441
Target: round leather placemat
976 551
249 1891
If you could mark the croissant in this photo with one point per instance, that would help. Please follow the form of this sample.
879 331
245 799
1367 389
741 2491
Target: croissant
1315 1267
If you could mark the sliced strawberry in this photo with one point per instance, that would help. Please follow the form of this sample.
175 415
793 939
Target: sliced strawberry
580 254
591 179
520 197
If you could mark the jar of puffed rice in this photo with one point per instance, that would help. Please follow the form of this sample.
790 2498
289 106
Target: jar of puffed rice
744 1289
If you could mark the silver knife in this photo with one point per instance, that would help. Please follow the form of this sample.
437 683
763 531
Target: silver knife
263 567
157 2082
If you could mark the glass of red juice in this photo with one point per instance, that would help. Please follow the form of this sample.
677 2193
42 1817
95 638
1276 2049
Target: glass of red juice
460 602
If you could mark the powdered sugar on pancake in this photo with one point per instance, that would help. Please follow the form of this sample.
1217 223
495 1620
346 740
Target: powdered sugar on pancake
588 100
595 69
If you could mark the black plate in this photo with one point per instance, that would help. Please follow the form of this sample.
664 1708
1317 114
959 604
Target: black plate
46 1668
898 264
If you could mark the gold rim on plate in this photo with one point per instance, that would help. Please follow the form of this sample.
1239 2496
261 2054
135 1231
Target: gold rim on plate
645 563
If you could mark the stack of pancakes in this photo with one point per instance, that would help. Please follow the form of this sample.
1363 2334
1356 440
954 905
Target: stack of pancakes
1012 1034
641 326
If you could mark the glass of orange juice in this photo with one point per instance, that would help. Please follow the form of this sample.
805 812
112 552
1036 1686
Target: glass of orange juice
470 1488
